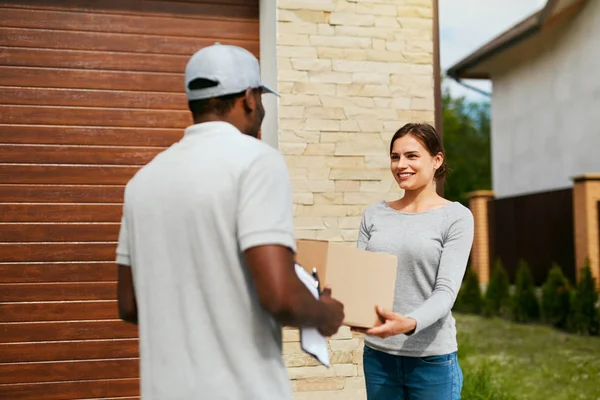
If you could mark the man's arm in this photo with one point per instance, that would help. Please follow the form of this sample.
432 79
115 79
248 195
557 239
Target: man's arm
265 228
284 296
125 291
126 295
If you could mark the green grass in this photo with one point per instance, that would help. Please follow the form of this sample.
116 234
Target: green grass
502 360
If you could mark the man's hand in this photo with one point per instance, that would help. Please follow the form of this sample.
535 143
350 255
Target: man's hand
334 314
390 324
126 295
283 295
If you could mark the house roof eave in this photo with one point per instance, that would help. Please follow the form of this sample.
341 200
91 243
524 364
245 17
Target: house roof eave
521 31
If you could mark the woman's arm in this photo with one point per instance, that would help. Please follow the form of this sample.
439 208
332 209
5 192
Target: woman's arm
453 263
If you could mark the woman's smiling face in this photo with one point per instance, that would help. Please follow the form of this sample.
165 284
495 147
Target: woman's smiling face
411 164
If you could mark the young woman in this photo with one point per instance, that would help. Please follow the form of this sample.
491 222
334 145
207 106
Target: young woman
411 353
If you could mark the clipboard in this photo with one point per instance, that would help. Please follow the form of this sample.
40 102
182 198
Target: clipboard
311 341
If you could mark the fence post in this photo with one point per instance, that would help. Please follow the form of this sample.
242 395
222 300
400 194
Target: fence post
480 254
586 195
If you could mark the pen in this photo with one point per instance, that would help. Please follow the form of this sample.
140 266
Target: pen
317 283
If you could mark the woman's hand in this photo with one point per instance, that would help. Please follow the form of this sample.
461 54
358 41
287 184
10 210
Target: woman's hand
390 324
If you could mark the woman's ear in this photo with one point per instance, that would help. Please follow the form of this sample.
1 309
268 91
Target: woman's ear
438 160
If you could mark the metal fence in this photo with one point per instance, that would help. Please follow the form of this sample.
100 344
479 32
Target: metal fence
536 228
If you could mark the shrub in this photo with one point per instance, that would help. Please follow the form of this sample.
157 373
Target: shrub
584 316
525 303
497 296
556 298
469 297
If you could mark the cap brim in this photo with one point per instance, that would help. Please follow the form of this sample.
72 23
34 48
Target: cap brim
267 89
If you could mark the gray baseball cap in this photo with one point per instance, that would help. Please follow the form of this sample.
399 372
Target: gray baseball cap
230 69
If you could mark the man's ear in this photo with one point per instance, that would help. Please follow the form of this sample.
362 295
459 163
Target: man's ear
249 101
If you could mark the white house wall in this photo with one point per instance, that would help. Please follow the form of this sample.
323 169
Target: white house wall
546 108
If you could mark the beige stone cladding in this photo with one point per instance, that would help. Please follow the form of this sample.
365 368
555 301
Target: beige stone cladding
313 381
350 73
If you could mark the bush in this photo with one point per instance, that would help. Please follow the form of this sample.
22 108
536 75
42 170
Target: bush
469 297
584 316
525 303
497 296
556 298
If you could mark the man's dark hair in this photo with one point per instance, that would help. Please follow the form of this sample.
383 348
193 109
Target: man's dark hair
218 105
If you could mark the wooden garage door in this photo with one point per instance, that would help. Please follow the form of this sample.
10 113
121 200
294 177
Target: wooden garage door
89 92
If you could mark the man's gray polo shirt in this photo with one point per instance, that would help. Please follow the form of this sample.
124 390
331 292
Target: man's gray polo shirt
187 218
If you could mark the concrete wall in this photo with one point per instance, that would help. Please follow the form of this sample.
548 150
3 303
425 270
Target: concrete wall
350 73
545 108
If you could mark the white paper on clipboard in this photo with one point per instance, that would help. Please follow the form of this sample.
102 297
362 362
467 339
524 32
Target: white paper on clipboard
311 341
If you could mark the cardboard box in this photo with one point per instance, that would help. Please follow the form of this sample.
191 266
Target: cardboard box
359 279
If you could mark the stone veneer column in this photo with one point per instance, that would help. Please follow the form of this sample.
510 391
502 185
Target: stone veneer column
480 254
350 73
586 195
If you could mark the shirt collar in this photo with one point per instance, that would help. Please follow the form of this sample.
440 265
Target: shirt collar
210 127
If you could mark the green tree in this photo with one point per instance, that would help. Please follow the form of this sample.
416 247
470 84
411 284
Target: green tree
556 298
525 303
497 295
584 316
466 129
469 298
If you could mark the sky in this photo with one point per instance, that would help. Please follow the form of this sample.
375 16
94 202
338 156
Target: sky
466 25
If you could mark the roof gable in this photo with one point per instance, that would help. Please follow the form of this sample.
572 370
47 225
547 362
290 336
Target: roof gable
553 11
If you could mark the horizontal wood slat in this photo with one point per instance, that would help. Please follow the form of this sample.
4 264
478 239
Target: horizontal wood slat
66 174
92 98
93 135
69 371
227 9
88 59
109 6
72 350
117 398
57 331
58 272
116 388
94 116
22 292
58 311
32 252
59 154
90 91
82 79
60 212
59 232
61 194
134 43
132 24
230 2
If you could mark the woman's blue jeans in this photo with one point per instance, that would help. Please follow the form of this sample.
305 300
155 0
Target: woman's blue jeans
390 377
